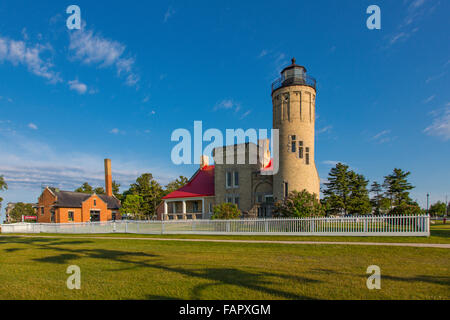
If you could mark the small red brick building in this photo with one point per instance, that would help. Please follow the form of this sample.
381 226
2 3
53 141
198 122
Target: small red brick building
56 206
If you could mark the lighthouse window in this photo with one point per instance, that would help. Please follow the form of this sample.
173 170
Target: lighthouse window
300 149
307 156
293 143
286 189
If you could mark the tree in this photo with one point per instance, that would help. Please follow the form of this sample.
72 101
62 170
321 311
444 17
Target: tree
99 190
132 204
226 211
181 181
116 190
358 201
150 191
397 187
337 189
85 188
299 204
380 203
21 209
438 209
3 186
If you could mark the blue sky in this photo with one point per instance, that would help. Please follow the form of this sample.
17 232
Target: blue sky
139 70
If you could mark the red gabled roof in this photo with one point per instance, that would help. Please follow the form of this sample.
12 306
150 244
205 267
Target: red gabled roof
200 185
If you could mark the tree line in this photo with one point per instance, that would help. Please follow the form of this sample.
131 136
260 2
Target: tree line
349 193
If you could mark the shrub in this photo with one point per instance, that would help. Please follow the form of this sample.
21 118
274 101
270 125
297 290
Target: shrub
299 204
226 211
406 209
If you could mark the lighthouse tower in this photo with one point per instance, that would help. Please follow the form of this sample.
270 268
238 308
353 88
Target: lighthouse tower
293 99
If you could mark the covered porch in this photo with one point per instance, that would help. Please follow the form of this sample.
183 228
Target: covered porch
187 208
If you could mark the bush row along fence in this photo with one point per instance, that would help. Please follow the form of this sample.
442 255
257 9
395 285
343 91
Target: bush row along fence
340 226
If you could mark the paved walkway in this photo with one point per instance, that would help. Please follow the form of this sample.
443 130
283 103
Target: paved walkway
391 244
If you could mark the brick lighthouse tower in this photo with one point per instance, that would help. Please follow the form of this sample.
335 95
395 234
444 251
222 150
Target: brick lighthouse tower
293 100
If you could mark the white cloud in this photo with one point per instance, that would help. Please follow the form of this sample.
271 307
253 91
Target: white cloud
383 137
169 13
440 126
324 129
77 86
27 164
22 53
245 114
227 104
32 126
114 131
416 4
93 49
436 77
429 99
380 134
231 105
415 11
332 163
263 53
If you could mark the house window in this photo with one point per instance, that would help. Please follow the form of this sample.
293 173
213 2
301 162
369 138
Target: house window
229 199
286 189
269 199
95 202
42 211
52 212
259 198
229 177
236 200
307 156
236 179
195 206
70 216
210 207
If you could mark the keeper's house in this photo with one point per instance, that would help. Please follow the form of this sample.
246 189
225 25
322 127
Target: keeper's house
56 206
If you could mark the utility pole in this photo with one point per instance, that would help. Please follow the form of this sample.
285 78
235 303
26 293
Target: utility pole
428 198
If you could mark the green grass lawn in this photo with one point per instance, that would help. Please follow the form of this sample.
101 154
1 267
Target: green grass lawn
34 268
440 233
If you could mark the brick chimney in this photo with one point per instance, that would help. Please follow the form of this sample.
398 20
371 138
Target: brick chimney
108 177
204 161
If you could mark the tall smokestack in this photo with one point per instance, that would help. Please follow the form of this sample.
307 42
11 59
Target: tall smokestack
108 177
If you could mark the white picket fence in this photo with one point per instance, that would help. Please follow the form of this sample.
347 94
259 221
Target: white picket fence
339 226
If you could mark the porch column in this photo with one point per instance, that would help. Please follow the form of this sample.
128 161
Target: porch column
166 208
184 206
203 205
174 207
